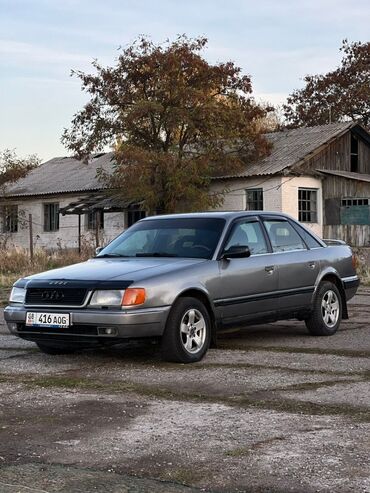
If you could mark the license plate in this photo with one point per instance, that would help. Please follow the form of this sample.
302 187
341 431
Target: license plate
54 320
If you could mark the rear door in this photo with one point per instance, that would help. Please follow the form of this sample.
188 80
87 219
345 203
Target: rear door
248 285
298 265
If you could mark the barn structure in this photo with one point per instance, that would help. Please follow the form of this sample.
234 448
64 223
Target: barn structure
320 175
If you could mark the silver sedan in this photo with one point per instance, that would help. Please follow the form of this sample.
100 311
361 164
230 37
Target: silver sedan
179 278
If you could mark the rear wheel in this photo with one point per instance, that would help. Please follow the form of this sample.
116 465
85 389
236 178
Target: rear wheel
188 332
327 311
54 350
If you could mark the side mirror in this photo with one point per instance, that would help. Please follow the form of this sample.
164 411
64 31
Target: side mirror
236 251
98 250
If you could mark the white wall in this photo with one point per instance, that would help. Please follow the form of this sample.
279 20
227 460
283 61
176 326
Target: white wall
280 194
67 235
235 199
290 188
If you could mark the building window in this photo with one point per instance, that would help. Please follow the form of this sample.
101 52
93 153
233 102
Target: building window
354 154
254 198
355 210
350 202
134 215
307 205
93 218
51 217
10 219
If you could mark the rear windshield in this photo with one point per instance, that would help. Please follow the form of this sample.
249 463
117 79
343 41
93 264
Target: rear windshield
183 237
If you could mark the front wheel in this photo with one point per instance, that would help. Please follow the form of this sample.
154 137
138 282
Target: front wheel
327 311
187 334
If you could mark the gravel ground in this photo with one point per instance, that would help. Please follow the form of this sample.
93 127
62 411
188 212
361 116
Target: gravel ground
270 410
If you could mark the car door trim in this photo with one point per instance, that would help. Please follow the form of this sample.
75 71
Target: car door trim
264 296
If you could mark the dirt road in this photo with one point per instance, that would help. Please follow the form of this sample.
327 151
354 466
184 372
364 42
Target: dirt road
270 410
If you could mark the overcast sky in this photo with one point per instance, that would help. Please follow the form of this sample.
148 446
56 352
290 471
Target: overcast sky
276 42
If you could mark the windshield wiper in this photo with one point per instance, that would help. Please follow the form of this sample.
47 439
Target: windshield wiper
112 255
156 254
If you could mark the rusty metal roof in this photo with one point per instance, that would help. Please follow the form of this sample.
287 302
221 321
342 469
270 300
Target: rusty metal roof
94 201
291 147
68 175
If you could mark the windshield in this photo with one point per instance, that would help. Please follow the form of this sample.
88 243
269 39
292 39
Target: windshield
182 237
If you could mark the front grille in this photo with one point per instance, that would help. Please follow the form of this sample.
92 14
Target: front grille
55 296
74 329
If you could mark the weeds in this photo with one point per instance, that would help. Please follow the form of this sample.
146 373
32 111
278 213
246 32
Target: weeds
362 258
16 263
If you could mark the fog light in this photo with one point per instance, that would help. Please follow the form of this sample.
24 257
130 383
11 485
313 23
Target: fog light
12 326
107 331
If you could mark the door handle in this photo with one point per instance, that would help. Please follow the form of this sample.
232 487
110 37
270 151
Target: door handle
269 269
311 265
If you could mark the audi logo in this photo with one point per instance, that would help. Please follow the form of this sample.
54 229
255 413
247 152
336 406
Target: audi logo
52 295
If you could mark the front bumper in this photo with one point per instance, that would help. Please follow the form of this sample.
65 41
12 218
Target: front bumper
91 324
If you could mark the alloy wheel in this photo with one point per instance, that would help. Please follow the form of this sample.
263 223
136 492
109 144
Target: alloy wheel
193 330
330 308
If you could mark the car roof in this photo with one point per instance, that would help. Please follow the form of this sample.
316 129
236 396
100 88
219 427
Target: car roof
229 215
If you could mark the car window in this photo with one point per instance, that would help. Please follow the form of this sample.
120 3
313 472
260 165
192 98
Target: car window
310 241
178 237
283 236
139 241
248 234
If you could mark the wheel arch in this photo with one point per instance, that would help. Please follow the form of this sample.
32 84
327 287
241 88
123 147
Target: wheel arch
333 277
204 298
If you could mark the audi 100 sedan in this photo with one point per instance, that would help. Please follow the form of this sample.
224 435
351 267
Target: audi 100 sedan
180 278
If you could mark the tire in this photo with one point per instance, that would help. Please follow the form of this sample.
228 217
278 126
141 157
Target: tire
182 341
327 311
54 350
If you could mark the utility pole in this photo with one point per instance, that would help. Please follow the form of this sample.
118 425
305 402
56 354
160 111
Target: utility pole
97 227
31 235
79 233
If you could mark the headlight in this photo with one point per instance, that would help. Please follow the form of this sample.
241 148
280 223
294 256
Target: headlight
107 298
17 295
122 297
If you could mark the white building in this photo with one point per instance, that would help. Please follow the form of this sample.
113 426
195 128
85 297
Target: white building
319 175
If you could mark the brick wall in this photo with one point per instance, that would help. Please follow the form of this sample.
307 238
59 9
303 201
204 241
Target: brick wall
289 193
280 194
235 199
67 235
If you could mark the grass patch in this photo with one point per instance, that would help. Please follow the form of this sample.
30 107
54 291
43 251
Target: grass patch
238 452
287 369
348 353
184 475
264 400
244 451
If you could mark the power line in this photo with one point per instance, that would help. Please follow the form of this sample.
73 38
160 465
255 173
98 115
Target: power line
275 187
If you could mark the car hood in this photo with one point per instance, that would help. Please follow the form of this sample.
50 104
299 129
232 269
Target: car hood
101 269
